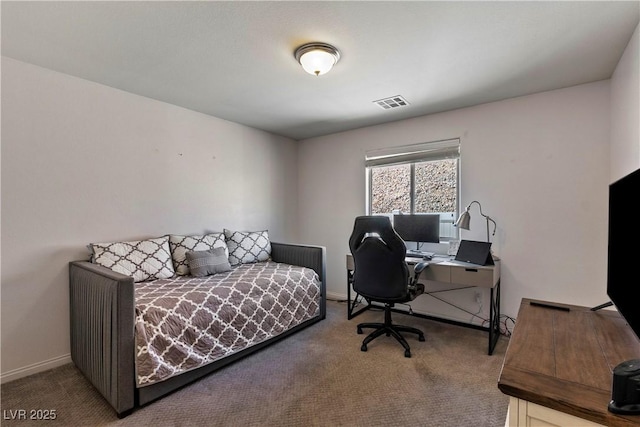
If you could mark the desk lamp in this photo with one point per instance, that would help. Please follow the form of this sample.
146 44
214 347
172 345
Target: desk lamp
465 218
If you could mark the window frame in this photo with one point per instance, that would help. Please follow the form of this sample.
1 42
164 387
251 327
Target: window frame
411 155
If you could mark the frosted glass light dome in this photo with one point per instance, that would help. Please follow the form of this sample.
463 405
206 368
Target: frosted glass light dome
317 58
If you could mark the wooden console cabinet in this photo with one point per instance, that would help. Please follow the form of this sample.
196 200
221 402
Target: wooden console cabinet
559 364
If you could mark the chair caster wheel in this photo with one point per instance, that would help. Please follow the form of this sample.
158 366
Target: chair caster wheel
359 331
421 338
363 348
407 353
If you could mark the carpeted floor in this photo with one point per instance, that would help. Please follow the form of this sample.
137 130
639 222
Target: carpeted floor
317 377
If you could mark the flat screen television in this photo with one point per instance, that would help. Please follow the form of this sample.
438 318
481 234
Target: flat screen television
623 284
421 228
623 281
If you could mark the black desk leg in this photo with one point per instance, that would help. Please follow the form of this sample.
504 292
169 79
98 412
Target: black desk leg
494 317
351 305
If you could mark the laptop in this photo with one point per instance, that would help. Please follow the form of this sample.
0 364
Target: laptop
475 252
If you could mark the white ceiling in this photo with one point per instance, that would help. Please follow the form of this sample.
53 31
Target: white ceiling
234 60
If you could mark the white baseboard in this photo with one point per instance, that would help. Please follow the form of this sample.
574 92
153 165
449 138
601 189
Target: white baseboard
336 296
25 371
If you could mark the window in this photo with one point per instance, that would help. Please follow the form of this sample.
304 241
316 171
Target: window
420 178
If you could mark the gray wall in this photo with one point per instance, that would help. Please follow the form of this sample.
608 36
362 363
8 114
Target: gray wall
625 111
84 163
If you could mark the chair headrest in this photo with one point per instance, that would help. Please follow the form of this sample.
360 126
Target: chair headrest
377 227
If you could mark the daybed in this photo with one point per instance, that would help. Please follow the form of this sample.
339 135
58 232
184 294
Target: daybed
142 326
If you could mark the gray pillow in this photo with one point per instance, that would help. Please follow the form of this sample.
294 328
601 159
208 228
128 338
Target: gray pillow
180 245
205 263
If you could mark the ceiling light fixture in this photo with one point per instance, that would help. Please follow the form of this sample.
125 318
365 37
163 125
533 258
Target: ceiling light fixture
317 58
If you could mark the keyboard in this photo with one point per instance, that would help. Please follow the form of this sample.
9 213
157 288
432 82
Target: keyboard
419 254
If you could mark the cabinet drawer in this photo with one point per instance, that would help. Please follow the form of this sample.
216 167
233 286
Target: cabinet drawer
472 276
436 272
526 414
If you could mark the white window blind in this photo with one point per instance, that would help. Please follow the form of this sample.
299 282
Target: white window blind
436 150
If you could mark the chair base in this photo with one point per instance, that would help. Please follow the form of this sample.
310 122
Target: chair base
389 329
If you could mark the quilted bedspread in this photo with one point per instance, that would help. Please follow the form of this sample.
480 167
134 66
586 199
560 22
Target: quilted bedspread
184 322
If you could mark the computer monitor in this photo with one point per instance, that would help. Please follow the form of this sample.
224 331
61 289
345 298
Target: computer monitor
421 228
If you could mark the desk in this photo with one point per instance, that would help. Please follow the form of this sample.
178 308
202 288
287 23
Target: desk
447 270
558 367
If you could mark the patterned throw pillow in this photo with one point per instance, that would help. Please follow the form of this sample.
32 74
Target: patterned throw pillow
248 246
180 245
143 259
206 263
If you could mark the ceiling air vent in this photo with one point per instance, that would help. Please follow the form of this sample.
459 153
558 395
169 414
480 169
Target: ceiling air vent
392 102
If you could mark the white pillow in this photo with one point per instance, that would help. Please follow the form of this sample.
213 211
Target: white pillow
142 259
247 246
180 245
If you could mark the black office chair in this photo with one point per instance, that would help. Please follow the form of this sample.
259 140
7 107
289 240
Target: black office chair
381 274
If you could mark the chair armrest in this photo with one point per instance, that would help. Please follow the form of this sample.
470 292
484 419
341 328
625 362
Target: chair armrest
417 269
416 288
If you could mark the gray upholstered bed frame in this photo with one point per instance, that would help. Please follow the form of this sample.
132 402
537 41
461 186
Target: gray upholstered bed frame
102 328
